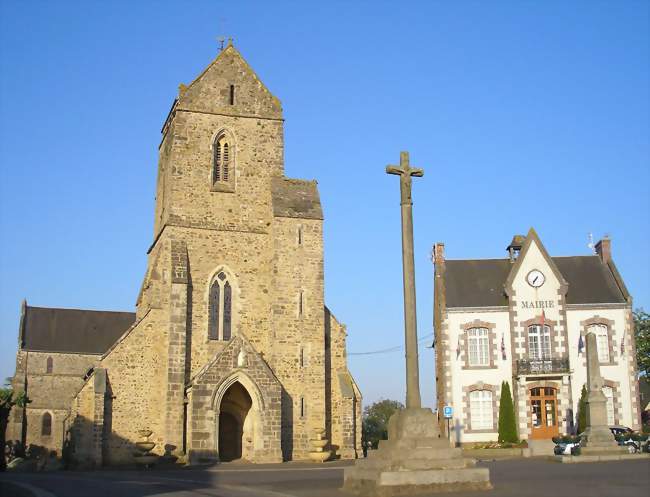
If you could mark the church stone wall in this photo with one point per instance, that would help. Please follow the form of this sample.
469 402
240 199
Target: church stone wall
137 372
48 392
258 155
344 412
298 268
80 422
241 255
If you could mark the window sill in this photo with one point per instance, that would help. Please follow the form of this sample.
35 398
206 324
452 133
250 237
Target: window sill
479 367
223 187
488 430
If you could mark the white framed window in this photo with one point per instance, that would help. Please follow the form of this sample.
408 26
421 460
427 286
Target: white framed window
602 341
480 408
478 346
609 395
539 342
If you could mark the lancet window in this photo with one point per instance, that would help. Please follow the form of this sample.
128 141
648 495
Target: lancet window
220 308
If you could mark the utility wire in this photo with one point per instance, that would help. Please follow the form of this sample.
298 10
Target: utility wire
392 349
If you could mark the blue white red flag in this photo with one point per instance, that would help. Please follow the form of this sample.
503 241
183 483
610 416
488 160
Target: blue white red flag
581 345
503 347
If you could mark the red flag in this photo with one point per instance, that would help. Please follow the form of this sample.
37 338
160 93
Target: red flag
543 320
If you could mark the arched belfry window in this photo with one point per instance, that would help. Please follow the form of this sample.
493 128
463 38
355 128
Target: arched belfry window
220 311
49 366
223 170
46 425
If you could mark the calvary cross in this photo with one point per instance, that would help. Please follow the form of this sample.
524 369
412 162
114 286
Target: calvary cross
405 171
408 273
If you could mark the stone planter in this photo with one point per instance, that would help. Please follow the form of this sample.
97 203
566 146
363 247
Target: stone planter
143 447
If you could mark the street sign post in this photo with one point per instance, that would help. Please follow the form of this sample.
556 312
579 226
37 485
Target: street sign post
448 413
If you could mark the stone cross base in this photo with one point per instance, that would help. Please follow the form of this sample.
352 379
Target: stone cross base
414 460
598 440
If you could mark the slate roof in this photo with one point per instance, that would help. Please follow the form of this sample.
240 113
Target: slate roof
296 198
73 330
479 283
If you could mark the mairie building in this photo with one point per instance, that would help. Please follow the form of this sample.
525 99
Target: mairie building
523 319
231 352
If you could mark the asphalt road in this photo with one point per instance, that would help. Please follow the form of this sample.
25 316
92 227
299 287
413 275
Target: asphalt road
512 478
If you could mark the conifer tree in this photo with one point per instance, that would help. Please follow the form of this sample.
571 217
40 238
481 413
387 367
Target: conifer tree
582 411
507 425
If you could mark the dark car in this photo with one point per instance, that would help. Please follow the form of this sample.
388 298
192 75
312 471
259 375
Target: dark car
631 445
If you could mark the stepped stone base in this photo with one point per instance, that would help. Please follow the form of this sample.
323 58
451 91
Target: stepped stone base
599 441
414 460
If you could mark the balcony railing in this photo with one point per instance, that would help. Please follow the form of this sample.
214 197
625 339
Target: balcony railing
542 366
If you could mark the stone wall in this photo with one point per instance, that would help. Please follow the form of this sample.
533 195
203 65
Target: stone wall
344 398
137 380
49 392
299 329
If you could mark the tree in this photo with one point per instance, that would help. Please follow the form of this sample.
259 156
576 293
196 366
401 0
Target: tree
375 420
507 425
642 338
8 399
582 411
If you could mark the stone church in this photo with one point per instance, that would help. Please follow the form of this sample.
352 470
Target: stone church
231 352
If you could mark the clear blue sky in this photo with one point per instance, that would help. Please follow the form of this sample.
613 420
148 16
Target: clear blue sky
521 113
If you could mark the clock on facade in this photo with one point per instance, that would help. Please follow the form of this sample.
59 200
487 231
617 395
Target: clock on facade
535 278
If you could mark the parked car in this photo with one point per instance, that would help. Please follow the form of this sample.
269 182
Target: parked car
568 445
620 432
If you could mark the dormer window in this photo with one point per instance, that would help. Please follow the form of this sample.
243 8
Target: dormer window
223 164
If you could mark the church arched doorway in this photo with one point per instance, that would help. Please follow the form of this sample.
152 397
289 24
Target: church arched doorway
235 425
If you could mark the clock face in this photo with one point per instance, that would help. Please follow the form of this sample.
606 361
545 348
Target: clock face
535 278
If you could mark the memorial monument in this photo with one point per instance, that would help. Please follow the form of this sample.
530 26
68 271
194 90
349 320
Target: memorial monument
597 439
414 459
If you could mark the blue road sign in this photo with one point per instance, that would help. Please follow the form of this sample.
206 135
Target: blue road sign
447 411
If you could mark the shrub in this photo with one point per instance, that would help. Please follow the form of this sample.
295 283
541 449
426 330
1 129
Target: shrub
507 425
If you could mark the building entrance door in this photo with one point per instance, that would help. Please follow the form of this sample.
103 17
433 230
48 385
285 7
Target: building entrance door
235 429
543 403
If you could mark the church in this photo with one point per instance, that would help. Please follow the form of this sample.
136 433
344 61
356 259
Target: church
231 352
523 319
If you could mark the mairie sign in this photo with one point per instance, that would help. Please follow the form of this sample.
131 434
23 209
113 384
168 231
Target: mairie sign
447 411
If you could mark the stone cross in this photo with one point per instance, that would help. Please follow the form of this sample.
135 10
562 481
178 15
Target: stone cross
405 171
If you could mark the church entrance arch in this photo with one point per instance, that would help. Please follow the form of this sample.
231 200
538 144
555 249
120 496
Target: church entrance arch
236 423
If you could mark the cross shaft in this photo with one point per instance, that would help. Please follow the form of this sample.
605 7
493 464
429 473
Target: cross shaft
405 171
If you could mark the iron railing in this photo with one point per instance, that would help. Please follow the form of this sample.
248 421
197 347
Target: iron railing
542 366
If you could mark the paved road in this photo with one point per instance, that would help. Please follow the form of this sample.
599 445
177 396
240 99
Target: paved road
513 478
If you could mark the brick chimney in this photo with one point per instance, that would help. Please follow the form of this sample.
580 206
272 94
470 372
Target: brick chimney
604 249
439 253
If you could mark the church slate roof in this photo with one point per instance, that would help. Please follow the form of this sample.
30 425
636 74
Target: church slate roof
479 283
296 198
72 330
